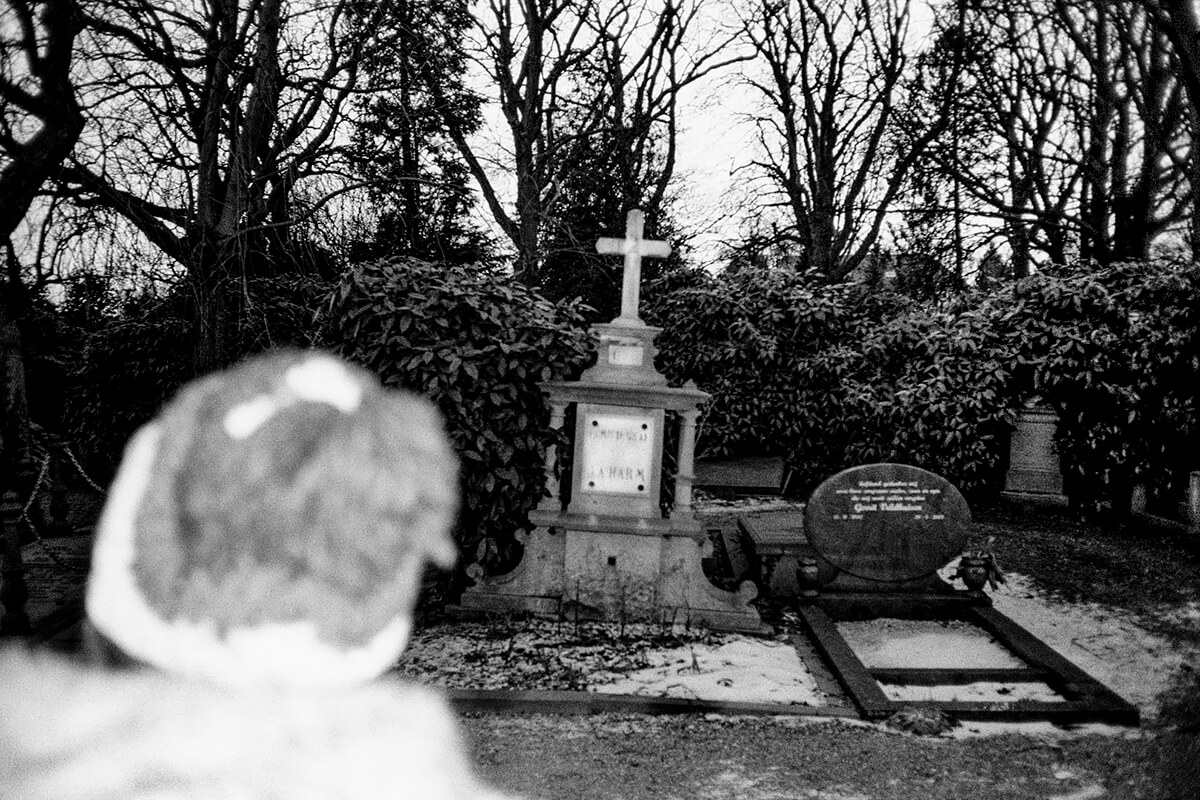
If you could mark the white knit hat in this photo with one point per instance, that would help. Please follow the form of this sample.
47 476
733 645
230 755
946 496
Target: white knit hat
272 523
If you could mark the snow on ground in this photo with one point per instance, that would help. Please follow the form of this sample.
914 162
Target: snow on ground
744 669
1104 642
933 644
650 660
924 644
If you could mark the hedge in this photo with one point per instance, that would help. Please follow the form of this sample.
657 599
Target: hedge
478 344
832 377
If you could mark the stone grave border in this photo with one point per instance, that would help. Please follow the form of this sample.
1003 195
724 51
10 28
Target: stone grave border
1086 699
549 701
835 668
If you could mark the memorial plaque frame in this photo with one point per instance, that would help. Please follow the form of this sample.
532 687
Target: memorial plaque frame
608 494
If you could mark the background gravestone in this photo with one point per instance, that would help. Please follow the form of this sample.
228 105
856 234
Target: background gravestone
885 527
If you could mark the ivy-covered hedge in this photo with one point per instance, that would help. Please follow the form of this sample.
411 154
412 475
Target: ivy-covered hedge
477 344
831 378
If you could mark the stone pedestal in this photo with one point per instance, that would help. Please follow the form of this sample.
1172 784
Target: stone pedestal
1193 502
608 551
1033 467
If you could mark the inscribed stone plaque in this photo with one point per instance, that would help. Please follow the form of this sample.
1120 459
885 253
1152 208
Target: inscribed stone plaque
626 353
618 453
887 522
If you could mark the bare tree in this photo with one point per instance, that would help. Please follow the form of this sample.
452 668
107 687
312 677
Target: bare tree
1139 143
834 151
202 119
1179 21
40 118
1024 165
566 71
40 121
1079 139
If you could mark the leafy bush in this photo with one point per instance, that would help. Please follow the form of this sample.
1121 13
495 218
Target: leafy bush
478 345
933 389
1116 352
832 378
748 338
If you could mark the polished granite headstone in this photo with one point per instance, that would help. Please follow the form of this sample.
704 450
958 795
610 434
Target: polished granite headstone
885 527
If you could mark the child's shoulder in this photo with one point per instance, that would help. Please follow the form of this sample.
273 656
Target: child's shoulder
69 731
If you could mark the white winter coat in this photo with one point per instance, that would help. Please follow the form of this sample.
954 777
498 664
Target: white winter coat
69 732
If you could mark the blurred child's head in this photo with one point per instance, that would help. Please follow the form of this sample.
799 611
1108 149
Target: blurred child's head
271 524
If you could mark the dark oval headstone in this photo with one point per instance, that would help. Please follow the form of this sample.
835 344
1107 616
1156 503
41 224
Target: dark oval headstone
887 522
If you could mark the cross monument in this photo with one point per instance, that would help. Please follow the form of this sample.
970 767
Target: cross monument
634 248
615 546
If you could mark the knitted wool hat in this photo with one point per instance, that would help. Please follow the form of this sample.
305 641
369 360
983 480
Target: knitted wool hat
271 524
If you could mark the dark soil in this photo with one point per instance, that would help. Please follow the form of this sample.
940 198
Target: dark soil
620 756
1135 565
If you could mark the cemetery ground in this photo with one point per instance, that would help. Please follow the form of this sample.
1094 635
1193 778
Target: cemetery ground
1136 583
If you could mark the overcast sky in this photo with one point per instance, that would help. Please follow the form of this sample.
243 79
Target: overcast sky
715 140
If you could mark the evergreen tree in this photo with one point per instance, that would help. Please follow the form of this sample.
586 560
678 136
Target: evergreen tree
417 181
615 169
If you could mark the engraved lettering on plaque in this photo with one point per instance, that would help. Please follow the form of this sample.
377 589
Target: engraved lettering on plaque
618 454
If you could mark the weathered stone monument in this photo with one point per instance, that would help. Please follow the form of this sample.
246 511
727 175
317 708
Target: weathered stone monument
1034 472
605 548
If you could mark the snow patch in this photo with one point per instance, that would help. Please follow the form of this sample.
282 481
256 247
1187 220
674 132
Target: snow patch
742 670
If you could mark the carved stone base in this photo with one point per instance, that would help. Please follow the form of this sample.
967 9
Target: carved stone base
607 569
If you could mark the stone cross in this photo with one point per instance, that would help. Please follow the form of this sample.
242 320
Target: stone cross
633 247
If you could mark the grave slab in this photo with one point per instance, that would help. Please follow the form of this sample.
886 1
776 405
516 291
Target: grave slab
882 531
1034 472
740 475
779 544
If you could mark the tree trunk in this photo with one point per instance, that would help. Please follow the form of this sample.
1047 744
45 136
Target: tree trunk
411 213
1018 239
1094 236
528 220
823 225
1194 180
1183 29
1131 234
208 279
14 428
